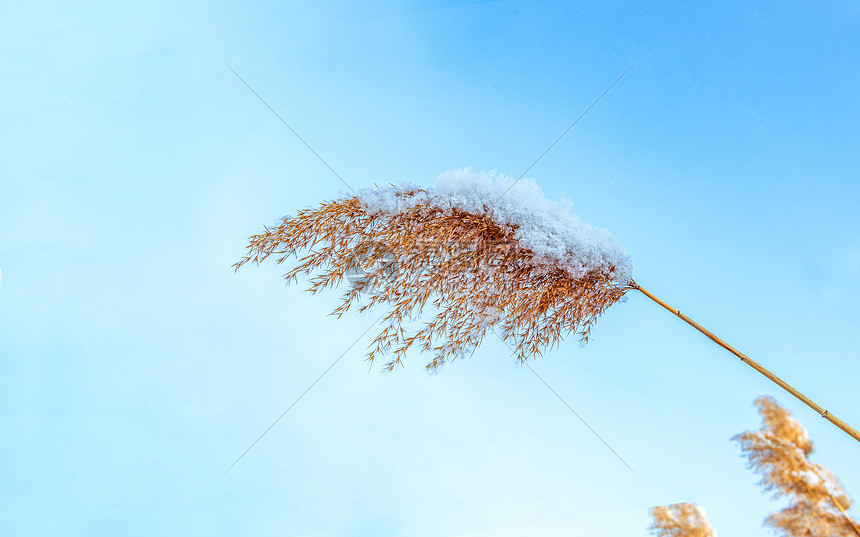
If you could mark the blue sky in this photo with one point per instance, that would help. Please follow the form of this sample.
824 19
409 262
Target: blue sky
135 366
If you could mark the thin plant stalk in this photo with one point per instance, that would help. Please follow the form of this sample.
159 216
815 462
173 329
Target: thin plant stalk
755 365
839 506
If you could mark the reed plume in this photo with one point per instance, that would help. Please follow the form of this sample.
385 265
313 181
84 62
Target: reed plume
779 451
680 520
479 267
482 251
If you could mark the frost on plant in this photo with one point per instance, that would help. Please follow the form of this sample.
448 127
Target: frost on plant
517 263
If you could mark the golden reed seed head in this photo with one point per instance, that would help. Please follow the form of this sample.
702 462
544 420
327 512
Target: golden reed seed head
779 452
465 267
680 520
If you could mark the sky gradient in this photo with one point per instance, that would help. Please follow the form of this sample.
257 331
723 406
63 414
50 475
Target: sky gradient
135 366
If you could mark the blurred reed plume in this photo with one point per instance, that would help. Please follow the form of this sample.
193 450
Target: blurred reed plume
681 520
779 452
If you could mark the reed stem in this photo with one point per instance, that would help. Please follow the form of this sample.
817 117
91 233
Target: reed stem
755 365
839 505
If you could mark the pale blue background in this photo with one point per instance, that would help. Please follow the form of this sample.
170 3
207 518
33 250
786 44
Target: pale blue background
135 366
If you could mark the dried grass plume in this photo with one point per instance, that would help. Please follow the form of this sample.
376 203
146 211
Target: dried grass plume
779 452
476 265
681 520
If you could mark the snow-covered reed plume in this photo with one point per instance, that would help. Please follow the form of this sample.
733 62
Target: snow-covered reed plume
518 263
482 252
